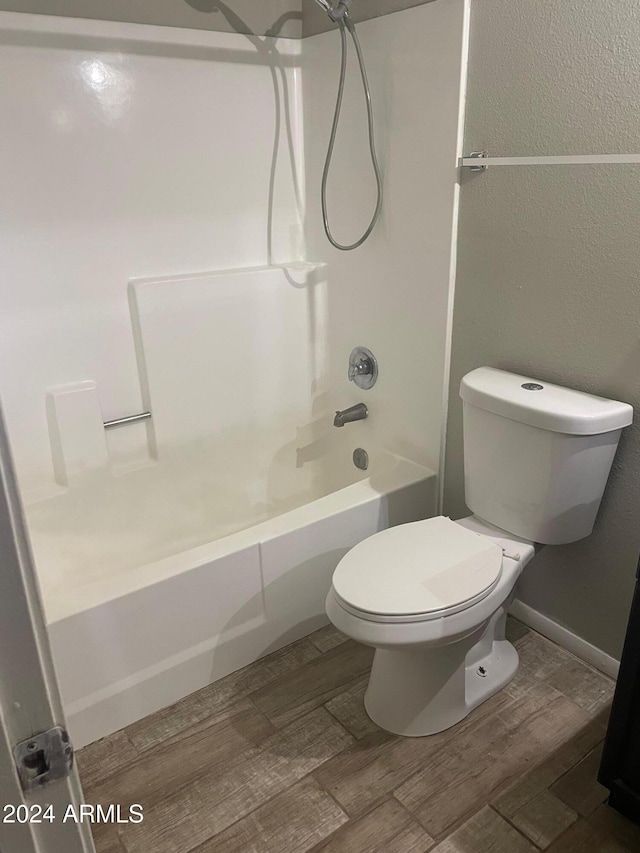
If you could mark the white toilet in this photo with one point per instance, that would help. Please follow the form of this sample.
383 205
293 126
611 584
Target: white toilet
432 596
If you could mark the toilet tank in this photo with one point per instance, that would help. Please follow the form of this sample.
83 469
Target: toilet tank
537 456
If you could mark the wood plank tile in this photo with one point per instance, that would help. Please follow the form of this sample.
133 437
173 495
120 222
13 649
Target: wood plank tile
389 828
612 824
459 780
340 775
469 750
587 687
579 788
549 771
582 837
106 839
104 757
515 630
313 684
217 776
520 685
328 638
413 839
188 721
212 700
292 822
539 657
160 772
237 786
348 708
485 832
369 771
543 819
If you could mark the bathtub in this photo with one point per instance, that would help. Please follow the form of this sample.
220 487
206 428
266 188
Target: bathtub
154 588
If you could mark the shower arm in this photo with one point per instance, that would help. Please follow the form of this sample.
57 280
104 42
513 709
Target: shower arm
341 11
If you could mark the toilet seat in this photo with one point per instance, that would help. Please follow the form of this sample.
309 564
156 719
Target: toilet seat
416 572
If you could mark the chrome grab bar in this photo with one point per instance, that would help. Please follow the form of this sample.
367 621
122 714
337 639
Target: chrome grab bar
131 419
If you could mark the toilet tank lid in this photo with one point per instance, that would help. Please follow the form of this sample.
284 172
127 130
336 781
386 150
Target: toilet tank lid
542 404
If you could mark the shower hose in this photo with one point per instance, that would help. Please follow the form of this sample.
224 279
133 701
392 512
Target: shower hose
344 25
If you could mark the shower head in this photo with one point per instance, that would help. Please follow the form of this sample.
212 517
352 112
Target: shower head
340 12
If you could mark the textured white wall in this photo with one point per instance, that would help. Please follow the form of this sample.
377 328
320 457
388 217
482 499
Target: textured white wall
392 294
548 262
133 151
551 77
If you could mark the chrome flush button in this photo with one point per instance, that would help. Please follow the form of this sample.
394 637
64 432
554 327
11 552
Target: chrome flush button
532 386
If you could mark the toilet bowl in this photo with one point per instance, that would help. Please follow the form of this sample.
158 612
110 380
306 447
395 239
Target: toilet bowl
431 597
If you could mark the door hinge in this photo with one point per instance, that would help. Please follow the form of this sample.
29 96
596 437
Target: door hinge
44 758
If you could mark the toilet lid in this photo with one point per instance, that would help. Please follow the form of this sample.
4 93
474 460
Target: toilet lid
418 568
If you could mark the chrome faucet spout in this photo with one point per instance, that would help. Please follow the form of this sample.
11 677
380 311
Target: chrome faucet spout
354 413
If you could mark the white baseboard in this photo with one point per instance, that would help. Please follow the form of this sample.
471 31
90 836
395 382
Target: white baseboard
565 638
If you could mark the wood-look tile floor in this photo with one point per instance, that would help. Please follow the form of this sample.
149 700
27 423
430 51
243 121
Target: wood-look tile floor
280 757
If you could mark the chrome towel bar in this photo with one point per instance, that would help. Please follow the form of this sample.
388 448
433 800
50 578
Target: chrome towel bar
131 419
478 161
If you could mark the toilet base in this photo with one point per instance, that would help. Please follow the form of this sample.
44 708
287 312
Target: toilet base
421 692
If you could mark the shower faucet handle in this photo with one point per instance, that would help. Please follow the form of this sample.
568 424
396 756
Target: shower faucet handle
360 368
363 368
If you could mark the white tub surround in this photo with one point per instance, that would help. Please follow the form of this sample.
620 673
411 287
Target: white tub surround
135 151
392 294
128 642
177 549
219 545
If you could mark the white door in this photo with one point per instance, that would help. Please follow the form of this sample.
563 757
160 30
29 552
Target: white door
29 700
